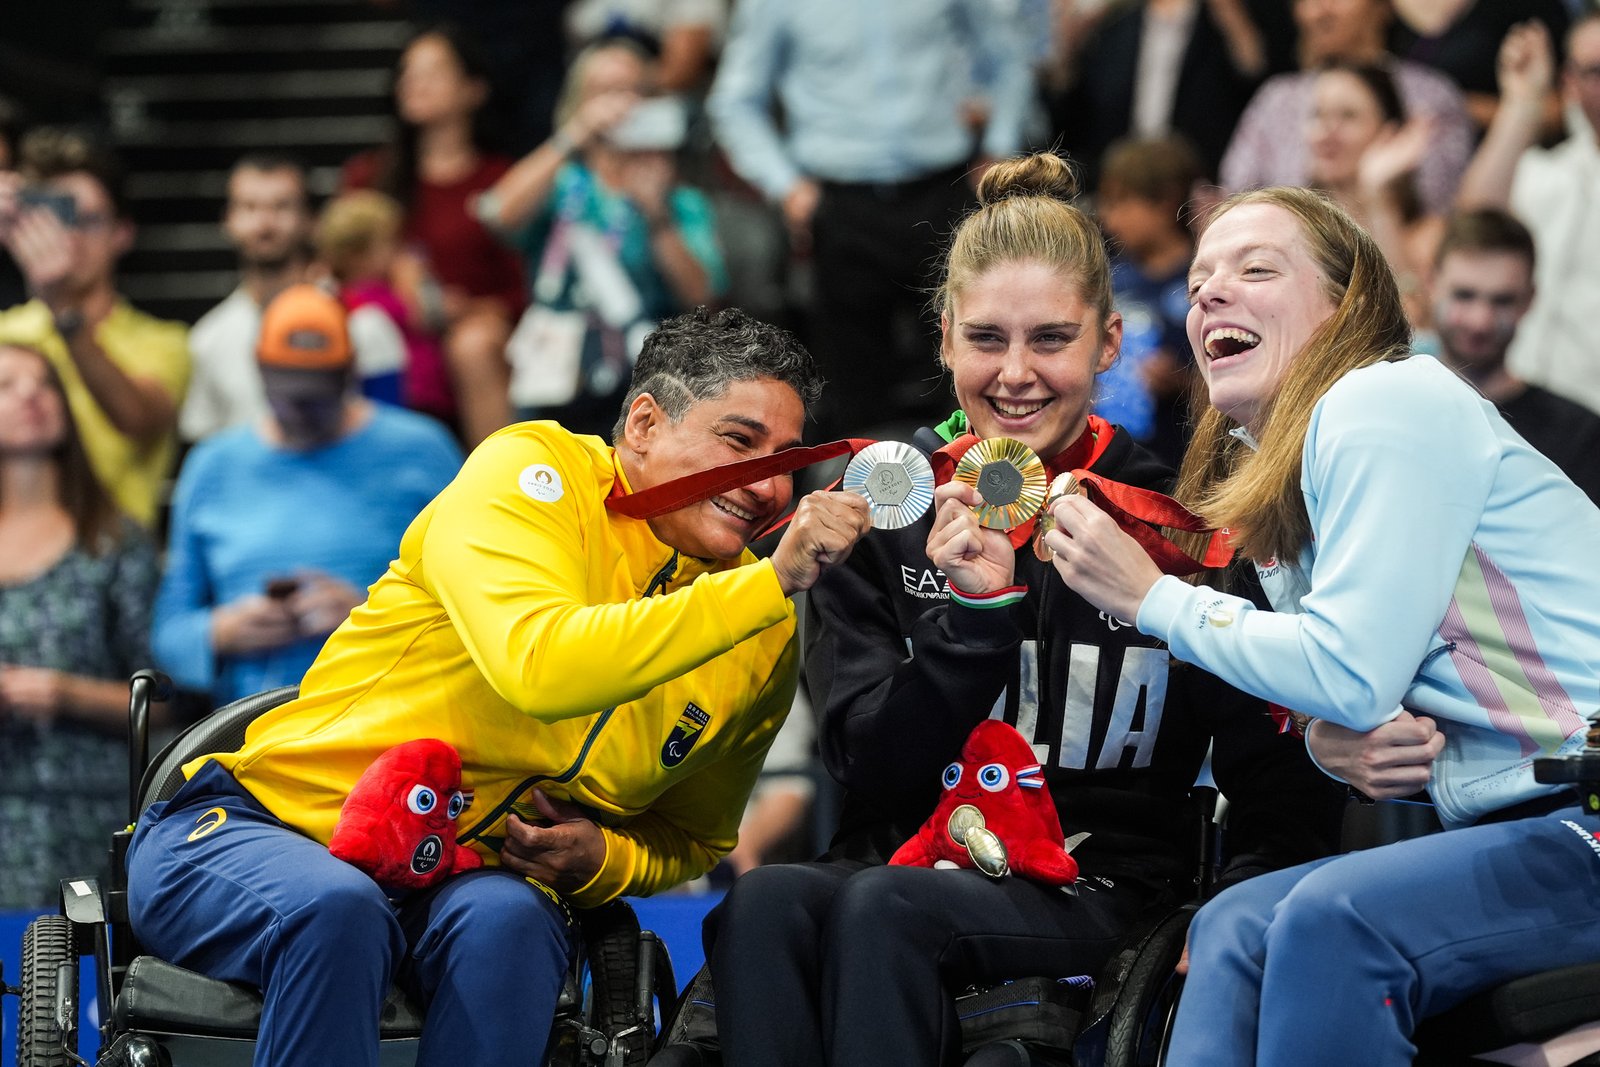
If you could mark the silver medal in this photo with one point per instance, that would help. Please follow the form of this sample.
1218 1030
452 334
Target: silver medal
895 478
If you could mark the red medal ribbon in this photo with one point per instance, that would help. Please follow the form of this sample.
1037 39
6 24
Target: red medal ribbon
1150 518
1159 523
703 485
1083 452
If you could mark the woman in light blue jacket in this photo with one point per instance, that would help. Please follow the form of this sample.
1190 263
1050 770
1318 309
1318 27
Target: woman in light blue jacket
1426 565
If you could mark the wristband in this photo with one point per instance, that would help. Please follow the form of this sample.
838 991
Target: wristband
1000 598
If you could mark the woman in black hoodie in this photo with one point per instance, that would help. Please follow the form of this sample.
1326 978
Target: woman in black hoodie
928 630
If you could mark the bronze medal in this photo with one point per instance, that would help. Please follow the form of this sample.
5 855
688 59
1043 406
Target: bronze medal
1065 484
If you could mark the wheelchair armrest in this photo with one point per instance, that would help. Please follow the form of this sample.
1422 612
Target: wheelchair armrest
80 901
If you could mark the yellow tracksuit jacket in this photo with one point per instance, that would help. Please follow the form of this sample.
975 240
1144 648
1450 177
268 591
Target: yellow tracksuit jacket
554 644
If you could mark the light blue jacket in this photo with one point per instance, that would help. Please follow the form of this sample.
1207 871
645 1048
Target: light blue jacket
1452 572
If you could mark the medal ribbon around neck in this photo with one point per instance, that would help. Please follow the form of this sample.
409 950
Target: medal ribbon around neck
1176 539
1083 452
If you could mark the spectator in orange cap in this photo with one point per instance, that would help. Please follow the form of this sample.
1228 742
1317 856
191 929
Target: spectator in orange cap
279 527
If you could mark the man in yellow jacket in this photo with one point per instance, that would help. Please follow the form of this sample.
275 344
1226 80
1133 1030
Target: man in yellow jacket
611 683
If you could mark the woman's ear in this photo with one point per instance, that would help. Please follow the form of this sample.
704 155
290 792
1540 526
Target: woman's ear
944 338
1110 342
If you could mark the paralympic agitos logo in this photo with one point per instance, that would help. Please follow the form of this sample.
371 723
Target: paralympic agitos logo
684 734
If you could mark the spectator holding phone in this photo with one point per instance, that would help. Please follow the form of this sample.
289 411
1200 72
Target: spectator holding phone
279 527
614 244
64 219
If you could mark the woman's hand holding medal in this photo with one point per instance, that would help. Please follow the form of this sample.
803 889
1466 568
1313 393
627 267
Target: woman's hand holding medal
973 557
1097 559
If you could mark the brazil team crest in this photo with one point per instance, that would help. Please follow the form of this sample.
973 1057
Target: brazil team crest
684 734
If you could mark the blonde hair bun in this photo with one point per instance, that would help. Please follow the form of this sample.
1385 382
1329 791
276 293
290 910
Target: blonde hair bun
1039 174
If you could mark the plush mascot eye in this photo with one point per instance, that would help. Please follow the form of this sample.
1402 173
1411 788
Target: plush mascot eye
952 775
993 777
458 804
421 799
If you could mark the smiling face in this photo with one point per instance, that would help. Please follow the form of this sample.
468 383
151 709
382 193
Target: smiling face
1257 296
1345 119
1024 347
755 417
33 418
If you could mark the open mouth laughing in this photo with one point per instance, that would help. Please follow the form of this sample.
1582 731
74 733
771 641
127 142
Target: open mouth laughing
1228 341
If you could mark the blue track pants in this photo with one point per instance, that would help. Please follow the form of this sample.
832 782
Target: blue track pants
219 885
1334 962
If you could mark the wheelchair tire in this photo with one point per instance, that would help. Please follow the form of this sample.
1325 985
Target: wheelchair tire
1141 1019
46 944
611 946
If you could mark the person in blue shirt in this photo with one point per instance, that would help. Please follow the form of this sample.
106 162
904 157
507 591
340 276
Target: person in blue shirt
1144 185
278 528
890 113
1433 584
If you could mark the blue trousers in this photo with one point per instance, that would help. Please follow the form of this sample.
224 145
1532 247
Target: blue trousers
1334 962
219 885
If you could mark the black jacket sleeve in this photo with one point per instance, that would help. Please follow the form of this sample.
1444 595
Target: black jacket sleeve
892 717
1282 810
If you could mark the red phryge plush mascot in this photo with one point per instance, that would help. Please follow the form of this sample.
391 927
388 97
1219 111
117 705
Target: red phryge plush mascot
398 823
995 814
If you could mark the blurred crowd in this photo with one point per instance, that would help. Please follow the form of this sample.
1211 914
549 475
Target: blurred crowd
544 200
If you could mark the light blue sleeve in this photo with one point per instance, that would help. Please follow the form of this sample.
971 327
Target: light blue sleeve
1005 64
180 632
697 226
741 99
1397 471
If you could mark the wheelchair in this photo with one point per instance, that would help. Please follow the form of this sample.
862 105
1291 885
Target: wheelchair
1114 1018
1550 1018
156 1014
1123 1016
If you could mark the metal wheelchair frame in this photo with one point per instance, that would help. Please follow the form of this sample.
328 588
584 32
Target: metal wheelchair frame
605 1016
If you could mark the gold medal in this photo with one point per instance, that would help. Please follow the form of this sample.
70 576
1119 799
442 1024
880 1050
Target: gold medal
896 479
1009 477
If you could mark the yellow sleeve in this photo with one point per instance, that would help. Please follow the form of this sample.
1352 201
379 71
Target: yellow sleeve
515 574
695 823
161 355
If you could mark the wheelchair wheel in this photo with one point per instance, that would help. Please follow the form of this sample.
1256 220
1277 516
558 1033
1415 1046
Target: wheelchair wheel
1142 1017
46 945
611 945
